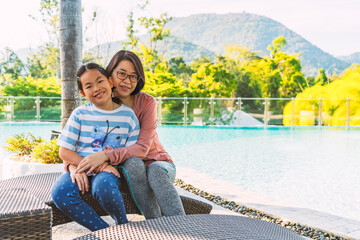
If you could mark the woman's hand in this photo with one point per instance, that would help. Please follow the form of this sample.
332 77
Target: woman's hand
110 169
80 178
91 162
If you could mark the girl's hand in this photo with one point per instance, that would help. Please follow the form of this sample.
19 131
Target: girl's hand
80 178
91 162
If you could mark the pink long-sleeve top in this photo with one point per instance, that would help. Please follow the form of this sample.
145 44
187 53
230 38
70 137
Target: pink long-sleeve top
148 146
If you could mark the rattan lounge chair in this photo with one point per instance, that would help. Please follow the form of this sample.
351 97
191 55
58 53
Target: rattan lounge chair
35 191
204 226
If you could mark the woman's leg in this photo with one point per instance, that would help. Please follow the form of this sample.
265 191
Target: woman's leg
161 175
66 196
134 171
105 188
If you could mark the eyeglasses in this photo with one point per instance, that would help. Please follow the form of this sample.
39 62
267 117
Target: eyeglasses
122 76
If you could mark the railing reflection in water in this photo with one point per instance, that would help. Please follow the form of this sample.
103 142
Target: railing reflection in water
210 111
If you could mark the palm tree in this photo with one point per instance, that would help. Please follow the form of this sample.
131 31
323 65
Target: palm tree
70 55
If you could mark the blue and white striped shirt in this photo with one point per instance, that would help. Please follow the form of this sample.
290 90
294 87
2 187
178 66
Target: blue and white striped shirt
90 129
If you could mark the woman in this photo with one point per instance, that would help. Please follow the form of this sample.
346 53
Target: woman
146 166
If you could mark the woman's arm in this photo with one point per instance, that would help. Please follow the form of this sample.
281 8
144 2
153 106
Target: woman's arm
148 125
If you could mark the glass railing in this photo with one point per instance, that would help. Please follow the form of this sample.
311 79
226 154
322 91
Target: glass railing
210 111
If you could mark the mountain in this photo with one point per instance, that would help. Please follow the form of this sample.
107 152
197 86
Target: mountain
173 46
214 31
353 58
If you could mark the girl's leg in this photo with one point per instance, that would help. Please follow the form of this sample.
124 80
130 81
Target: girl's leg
134 171
161 175
66 197
106 190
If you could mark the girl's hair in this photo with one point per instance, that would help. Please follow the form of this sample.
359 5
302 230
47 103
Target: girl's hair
93 66
134 59
89 66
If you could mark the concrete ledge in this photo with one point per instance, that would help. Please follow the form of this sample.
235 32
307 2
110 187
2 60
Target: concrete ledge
11 168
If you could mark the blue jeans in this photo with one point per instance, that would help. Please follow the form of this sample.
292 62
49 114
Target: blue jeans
105 188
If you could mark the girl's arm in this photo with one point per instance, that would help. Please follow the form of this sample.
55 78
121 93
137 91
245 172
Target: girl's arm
69 156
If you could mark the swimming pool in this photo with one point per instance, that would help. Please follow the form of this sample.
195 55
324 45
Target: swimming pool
309 167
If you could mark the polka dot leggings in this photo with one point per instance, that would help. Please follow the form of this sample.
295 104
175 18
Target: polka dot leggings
105 188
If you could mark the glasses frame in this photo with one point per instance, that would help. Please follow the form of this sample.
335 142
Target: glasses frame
127 76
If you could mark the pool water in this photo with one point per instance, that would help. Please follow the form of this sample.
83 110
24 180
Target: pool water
309 167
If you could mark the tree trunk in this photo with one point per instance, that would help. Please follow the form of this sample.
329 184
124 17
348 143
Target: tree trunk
70 55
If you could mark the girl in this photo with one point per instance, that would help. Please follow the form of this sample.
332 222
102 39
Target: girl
92 127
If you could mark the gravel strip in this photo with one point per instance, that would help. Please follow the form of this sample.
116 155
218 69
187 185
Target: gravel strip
303 230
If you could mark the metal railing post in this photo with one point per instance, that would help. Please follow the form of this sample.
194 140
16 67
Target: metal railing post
347 113
292 112
12 109
212 109
239 103
320 113
159 110
185 110
266 110
37 109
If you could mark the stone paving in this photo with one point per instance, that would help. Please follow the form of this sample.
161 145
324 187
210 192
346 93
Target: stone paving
345 227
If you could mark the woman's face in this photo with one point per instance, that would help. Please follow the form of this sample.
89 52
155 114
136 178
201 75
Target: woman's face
123 88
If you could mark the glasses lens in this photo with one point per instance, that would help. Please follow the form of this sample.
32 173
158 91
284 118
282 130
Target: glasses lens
121 75
133 78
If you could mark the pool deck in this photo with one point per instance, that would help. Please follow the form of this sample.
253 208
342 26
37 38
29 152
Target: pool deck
345 227
342 226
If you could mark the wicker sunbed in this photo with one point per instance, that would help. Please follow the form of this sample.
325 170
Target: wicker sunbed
204 226
22 202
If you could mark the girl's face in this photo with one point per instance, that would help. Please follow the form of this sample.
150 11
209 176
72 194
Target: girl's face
124 87
97 89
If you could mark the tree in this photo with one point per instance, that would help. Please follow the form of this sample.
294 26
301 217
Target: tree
322 79
70 55
213 80
11 67
178 67
278 74
44 63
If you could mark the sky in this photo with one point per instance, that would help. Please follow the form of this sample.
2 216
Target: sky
332 25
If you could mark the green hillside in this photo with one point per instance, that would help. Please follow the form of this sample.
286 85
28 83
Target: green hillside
214 31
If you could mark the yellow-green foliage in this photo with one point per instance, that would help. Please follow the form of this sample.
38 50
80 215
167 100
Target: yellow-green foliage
162 83
335 110
47 152
42 151
22 144
29 86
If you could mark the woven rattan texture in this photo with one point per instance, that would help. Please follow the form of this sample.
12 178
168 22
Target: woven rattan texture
39 185
196 227
23 216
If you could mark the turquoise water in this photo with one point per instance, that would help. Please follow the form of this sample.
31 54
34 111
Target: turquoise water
309 167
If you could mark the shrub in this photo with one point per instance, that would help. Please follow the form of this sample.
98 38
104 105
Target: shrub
22 144
27 147
47 152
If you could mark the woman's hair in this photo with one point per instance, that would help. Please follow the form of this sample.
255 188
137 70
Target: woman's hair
134 59
93 66
89 66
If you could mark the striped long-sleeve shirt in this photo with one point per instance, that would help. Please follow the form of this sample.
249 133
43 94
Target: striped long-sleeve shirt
90 129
